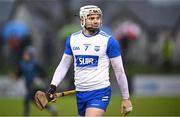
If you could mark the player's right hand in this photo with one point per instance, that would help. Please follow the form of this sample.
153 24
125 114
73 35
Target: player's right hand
126 107
51 93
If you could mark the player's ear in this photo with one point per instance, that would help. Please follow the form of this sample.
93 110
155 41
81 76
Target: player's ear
101 22
81 21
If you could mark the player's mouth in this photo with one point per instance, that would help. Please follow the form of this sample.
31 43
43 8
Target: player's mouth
95 26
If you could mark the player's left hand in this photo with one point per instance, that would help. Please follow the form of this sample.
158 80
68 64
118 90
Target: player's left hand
126 107
51 93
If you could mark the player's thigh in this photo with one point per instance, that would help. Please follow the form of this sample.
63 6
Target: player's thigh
94 112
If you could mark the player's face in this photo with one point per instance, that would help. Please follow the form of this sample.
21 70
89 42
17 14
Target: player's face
93 21
26 56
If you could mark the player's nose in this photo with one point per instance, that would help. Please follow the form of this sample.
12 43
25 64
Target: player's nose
95 21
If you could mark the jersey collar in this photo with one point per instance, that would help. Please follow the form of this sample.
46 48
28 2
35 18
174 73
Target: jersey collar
89 35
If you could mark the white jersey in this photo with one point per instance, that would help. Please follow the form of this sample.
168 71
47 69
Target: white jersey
91 59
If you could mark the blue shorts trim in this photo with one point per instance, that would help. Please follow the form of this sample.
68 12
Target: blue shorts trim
97 99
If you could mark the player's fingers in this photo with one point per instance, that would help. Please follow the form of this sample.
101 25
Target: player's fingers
51 96
126 113
122 109
127 110
54 100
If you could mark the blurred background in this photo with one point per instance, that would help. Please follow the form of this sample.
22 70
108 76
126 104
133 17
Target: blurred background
147 30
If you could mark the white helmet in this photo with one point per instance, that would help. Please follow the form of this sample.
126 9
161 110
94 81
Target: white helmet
87 10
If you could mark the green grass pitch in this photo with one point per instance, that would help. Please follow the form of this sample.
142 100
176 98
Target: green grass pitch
142 106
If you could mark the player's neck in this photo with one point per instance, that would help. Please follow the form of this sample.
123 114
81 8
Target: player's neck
90 33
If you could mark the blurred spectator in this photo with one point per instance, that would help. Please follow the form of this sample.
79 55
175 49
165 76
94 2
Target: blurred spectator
126 33
167 51
1 40
48 49
33 73
16 35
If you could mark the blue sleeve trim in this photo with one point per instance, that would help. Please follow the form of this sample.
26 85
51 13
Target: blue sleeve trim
113 48
68 49
103 34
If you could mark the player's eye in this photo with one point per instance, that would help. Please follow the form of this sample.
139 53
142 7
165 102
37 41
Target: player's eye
97 18
91 18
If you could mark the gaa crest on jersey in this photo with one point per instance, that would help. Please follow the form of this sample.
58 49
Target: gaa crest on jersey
76 48
96 48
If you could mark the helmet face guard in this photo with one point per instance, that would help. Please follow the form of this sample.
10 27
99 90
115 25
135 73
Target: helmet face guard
85 11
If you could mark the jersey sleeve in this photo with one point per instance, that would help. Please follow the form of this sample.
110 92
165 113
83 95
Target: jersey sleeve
113 48
68 49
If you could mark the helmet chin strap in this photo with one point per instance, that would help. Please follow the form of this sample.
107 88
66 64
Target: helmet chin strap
92 30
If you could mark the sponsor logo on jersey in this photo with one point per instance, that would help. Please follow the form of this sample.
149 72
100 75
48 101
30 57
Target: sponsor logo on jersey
86 60
96 48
